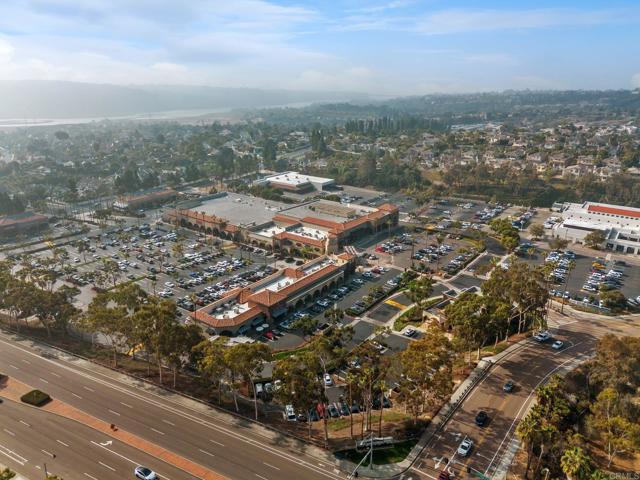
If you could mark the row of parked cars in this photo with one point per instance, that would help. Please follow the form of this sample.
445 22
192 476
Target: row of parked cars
602 279
333 410
432 252
214 292
562 262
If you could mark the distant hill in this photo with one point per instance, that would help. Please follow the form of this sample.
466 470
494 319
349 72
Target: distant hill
41 99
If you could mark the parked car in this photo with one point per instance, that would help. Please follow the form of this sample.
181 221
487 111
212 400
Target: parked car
328 381
508 386
557 345
465 447
542 337
409 332
333 411
481 418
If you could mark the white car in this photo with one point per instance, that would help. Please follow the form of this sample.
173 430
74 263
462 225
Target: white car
144 473
557 345
169 284
409 332
465 447
542 336
328 381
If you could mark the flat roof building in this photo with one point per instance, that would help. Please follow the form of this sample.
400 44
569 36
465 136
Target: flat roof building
297 182
317 226
144 199
269 299
620 225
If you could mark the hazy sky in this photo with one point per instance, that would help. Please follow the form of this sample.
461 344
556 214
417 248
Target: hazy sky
390 47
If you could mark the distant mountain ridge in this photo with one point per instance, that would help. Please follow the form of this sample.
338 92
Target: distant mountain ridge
42 99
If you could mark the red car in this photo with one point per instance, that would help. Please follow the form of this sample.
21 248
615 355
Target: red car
269 336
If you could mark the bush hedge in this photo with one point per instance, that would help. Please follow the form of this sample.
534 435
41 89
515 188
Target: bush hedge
36 398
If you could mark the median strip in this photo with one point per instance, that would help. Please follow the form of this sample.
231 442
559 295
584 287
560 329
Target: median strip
13 389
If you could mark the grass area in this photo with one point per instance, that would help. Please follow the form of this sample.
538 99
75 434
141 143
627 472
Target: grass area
412 316
494 349
389 416
394 454
287 353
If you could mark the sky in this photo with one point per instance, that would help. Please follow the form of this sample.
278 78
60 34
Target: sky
386 47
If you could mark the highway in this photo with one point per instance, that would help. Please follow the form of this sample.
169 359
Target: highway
31 438
530 365
232 447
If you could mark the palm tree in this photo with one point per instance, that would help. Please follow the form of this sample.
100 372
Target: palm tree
575 464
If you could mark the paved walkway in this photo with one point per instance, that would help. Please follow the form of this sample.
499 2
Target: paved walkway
13 390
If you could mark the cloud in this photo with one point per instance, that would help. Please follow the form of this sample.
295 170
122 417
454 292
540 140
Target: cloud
461 21
635 81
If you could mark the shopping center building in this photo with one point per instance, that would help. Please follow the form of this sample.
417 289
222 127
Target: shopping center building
316 227
270 299
620 225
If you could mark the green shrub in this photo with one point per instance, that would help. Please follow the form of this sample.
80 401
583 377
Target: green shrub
36 398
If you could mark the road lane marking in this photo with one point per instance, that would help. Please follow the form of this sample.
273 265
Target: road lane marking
114 412
25 423
90 476
217 443
76 395
62 443
164 477
9 432
269 465
107 466
157 431
26 361
207 453
48 453
43 380
54 374
13 366
524 404
88 388
159 402
126 405
13 455
169 423
260 476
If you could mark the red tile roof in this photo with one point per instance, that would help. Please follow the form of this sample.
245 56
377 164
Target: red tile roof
614 211
285 219
267 298
300 238
204 317
309 279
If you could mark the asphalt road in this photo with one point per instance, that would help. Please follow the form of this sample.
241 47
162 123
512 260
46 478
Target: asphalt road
529 366
30 438
219 442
